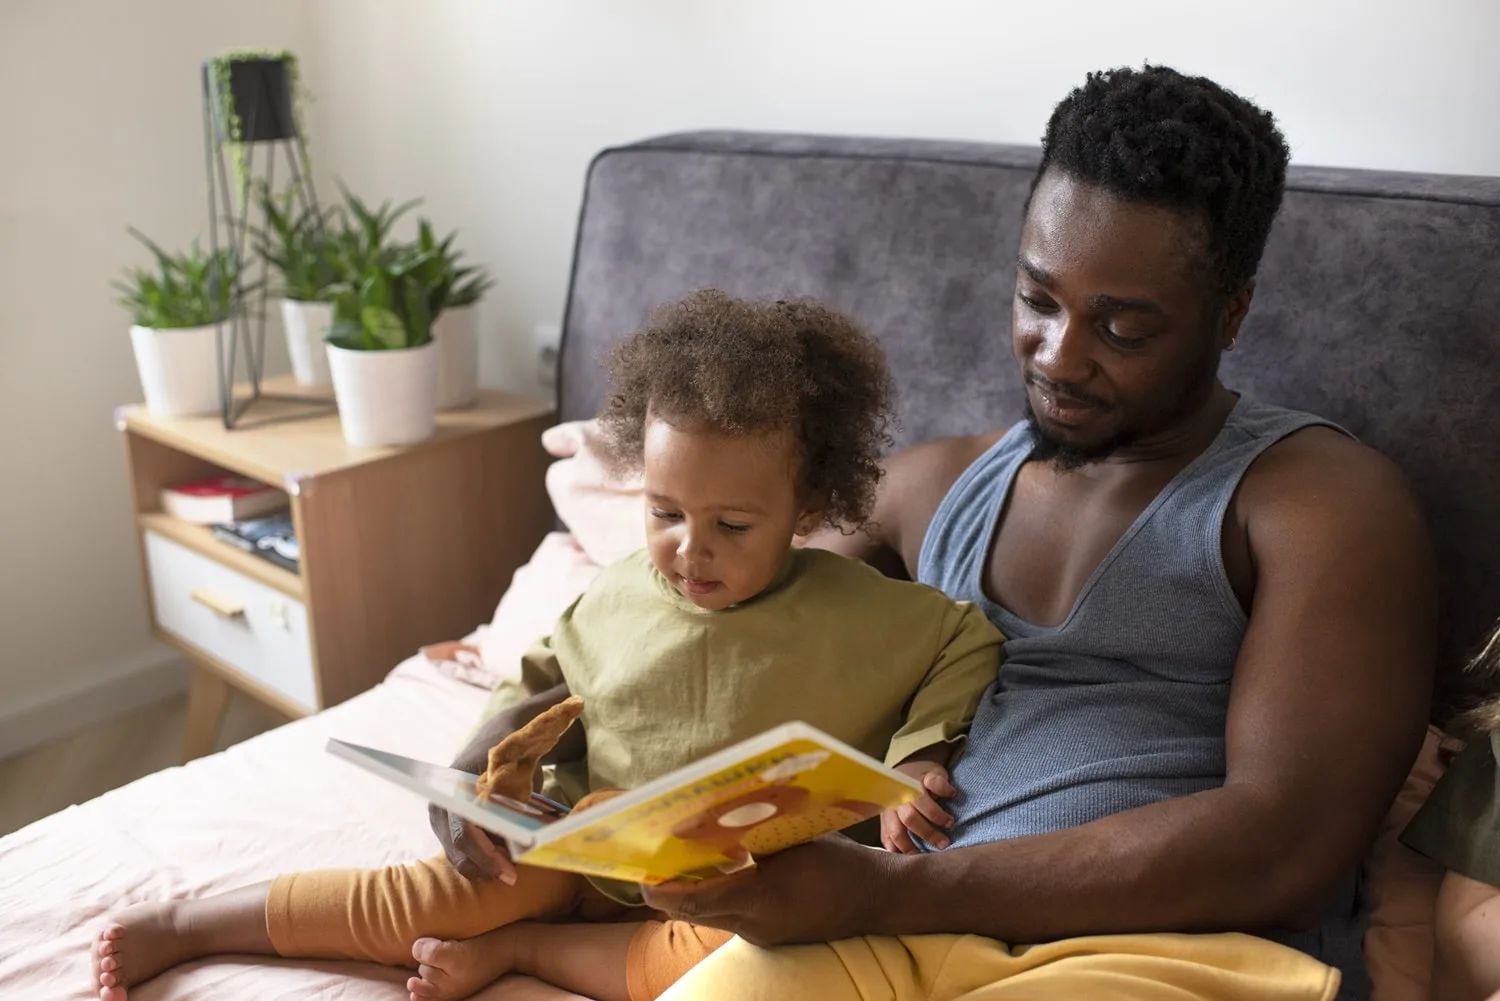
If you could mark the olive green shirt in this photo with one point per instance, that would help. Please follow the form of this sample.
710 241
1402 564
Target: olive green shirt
1459 825
887 666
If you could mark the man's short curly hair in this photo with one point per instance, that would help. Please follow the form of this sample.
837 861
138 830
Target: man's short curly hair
1157 137
739 367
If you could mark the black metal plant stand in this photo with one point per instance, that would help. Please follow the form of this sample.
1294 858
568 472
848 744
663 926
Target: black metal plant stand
260 99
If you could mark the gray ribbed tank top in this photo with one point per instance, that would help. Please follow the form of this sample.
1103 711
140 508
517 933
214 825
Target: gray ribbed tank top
1124 703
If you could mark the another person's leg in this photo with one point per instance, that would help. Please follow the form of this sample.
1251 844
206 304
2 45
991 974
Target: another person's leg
370 914
970 968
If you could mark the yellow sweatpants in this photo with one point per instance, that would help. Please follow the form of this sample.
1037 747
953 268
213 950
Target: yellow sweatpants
971 968
376 915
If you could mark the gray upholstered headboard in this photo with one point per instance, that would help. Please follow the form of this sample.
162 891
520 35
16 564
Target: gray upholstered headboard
1378 304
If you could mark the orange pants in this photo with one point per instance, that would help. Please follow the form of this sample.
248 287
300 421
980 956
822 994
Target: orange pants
376 914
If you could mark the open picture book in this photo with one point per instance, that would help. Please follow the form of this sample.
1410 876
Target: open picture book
788 785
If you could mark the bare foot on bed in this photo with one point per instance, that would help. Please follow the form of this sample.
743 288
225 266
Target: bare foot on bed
136 945
448 970
143 940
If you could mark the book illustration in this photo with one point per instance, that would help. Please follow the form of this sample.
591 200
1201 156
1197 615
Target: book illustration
786 786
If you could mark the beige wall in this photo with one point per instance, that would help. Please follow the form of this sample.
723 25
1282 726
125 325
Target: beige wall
99 127
491 109
518 95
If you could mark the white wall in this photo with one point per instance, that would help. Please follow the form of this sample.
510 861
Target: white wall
99 127
491 109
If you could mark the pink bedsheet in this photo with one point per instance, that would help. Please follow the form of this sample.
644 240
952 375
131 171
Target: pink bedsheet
274 803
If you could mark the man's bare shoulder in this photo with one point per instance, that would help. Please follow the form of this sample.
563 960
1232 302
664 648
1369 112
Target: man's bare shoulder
917 479
1321 463
1321 484
942 459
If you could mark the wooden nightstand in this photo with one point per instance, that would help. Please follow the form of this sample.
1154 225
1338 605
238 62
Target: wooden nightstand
399 547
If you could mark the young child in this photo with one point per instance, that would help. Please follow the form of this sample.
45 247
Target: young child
1459 828
753 424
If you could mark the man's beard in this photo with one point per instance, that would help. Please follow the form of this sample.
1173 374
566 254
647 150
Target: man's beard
1067 457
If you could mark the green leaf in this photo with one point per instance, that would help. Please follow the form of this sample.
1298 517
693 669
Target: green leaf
384 327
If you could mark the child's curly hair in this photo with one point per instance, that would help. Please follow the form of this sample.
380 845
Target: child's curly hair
737 367
1484 670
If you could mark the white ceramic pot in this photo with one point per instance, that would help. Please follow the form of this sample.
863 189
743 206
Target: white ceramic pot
456 332
306 323
179 369
385 397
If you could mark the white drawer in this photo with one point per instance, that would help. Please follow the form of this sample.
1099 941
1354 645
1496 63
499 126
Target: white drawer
255 629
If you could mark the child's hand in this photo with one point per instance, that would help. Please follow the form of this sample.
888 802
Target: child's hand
922 817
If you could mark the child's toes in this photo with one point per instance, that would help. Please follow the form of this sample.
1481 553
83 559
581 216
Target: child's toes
420 988
112 994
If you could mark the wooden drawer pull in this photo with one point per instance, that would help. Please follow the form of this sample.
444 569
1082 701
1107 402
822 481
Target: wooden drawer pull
218 604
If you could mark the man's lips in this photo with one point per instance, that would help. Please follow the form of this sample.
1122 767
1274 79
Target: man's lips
1061 408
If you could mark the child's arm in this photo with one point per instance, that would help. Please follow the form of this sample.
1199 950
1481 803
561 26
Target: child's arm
1466 964
964 662
922 817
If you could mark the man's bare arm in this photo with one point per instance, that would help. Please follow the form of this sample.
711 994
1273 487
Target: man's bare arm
916 481
1327 711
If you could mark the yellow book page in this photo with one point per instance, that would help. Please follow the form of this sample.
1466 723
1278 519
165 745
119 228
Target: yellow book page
795 792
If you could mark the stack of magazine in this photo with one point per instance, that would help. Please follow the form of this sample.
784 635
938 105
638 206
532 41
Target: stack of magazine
270 538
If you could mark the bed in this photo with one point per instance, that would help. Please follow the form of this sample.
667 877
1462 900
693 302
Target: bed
1378 307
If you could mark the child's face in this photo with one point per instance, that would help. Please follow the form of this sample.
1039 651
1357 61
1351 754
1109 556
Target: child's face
721 510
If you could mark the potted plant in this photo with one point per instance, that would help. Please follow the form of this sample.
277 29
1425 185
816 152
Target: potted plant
176 310
380 349
455 323
297 244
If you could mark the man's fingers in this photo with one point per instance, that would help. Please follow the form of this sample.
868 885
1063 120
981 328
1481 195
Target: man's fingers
921 827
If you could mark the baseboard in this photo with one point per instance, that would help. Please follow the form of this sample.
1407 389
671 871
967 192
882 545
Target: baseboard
86 698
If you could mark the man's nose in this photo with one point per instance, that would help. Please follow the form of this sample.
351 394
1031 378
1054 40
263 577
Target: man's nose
1065 355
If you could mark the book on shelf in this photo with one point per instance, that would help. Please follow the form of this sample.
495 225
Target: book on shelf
789 785
221 499
271 538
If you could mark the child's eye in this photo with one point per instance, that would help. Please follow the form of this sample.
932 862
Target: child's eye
736 529
666 515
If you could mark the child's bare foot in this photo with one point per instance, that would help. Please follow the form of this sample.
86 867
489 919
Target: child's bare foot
450 969
142 941
136 945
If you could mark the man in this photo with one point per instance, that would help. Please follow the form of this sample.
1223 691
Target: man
1220 616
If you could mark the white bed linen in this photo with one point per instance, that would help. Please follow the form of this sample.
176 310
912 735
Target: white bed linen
276 803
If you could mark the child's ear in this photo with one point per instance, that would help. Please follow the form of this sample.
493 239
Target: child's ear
809 521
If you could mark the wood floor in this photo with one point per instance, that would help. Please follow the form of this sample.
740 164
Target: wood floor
79 767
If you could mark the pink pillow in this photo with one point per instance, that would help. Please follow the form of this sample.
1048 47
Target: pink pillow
541 591
1403 887
607 516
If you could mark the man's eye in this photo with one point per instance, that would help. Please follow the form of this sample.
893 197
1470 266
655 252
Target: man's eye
1035 304
736 529
1122 341
666 515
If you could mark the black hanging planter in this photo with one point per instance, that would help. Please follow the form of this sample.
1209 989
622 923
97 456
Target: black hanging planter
249 117
257 101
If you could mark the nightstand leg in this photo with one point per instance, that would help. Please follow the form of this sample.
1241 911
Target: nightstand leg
207 698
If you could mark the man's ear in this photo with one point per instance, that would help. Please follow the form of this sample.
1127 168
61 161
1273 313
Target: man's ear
1234 314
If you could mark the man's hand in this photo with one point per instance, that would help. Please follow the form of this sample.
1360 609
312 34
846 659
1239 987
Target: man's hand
469 849
922 817
817 892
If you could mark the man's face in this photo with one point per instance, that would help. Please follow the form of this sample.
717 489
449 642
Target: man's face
1115 327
